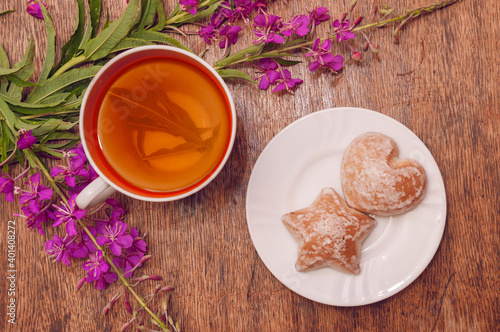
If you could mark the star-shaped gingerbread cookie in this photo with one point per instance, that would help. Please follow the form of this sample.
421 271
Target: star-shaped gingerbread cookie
329 233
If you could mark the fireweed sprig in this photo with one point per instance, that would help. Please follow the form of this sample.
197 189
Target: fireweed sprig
273 45
108 251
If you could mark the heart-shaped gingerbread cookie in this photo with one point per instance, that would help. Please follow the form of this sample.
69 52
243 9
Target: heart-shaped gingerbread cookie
375 181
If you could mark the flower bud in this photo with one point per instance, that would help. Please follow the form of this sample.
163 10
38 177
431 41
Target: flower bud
357 56
164 304
125 326
157 289
155 277
365 46
128 308
105 310
167 289
342 18
80 283
352 5
395 39
357 21
144 259
373 48
34 9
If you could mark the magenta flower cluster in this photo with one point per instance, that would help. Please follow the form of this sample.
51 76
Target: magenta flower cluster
273 29
123 244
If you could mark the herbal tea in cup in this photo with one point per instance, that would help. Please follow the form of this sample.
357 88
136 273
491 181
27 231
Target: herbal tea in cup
157 123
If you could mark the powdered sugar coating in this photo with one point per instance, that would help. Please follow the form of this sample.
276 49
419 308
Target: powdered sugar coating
375 181
329 233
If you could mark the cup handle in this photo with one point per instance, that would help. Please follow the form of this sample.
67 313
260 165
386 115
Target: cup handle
95 193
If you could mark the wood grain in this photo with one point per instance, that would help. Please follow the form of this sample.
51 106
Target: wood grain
442 81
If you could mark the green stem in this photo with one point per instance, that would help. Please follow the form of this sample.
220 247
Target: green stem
71 63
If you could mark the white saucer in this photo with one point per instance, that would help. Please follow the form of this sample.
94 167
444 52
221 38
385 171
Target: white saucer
289 174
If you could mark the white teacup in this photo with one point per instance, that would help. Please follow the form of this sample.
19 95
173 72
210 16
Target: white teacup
110 180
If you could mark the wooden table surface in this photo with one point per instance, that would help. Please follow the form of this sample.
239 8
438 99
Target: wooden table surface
442 81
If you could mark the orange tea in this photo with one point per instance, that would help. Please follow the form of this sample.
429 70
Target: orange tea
163 124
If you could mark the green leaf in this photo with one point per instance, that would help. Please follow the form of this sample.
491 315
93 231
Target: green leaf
161 15
255 49
70 49
130 43
234 74
28 67
87 35
6 71
148 12
59 135
28 125
95 15
7 115
4 63
107 22
8 132
286 62
50 53
59 83
102 45
52 124
159 37
51 152
19 82
174 12
7 11
27 108
5 140
56 98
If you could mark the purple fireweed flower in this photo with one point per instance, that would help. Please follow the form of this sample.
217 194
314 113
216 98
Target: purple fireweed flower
95 266
267 67
189 6
34 219
223 13
127 261
286 81
105 279
138 245
267 29
297 25
115 236
242 9
336 64
68 214
342 30
83 245
115 207
7 186
34 9
59 249
318 15
260 5
35 193
74 166
26 139
321 54
207 33
228 35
